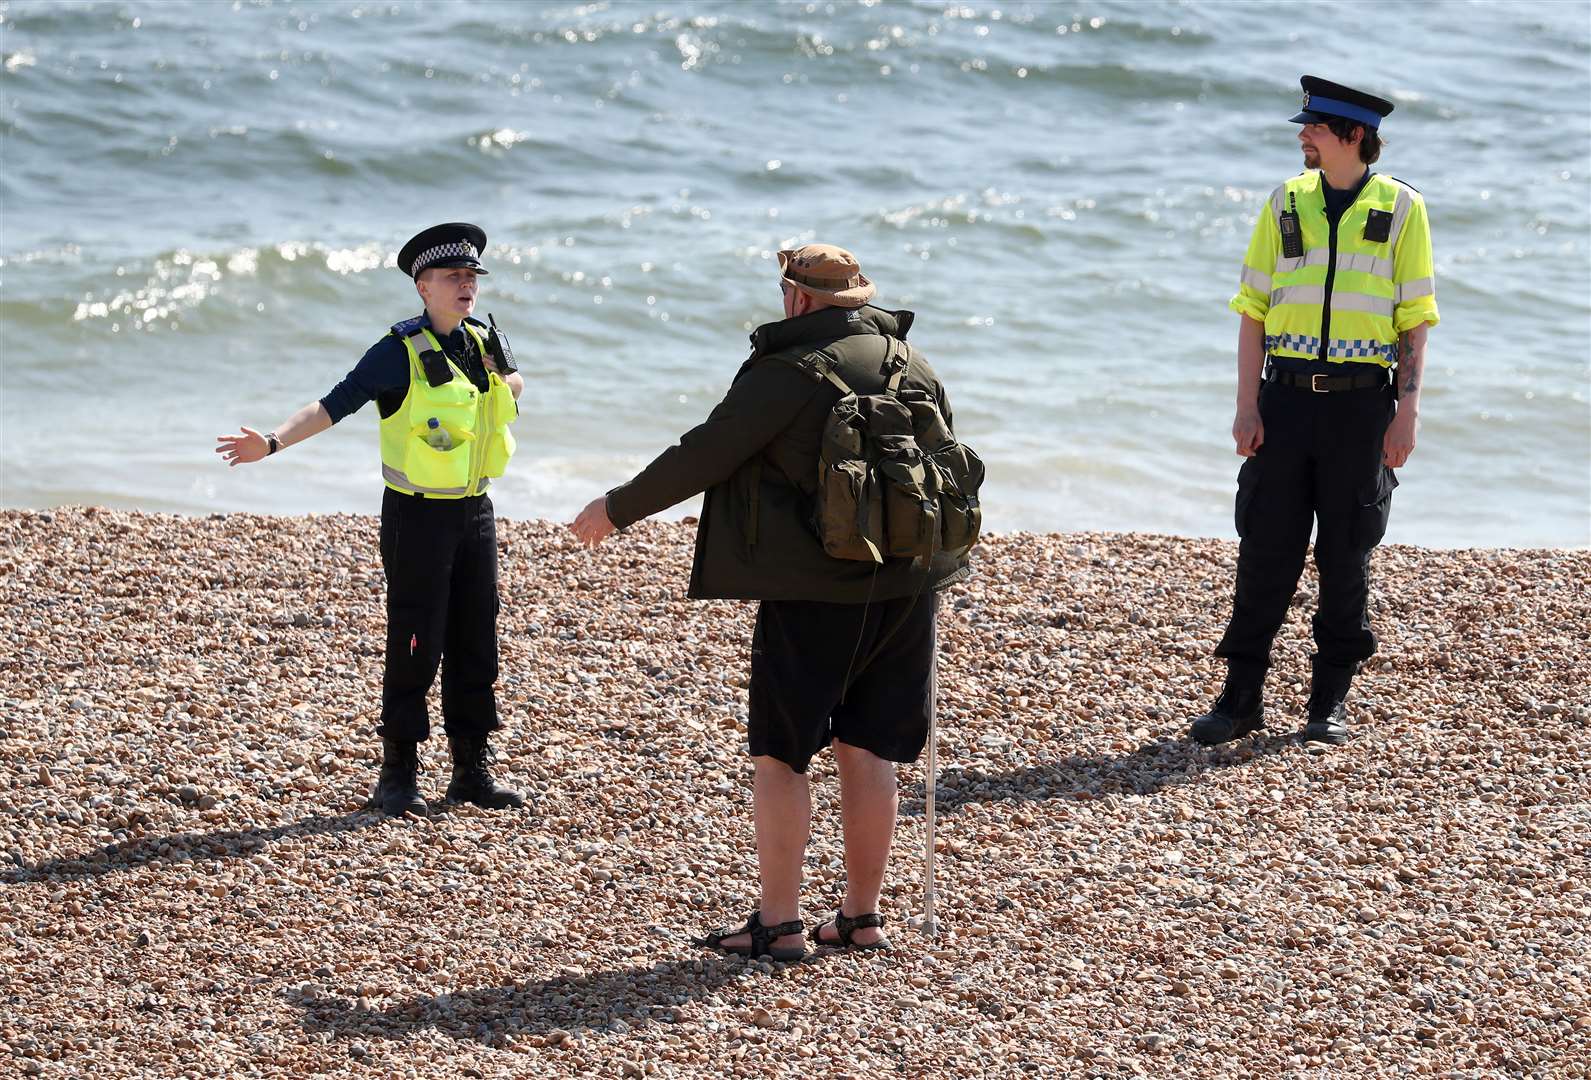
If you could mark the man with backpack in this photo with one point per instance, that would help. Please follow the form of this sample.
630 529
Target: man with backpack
838 498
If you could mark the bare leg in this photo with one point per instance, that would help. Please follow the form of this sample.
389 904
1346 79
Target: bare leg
869 799
782 799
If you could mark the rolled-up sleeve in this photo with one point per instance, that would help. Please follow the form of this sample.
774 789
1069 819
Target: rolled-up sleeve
1414 272
383 368
762 402
1253 296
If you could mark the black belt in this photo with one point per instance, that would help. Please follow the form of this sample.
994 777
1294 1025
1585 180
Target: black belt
1325 384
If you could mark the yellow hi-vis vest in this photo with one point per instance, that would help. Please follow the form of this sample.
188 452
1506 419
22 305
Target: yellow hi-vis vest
1347 298
477 423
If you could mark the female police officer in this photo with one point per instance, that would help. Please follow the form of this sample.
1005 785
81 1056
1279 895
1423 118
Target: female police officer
446 390
1336 288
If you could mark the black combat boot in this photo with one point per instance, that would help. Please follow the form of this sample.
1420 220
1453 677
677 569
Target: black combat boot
397 789
1237 712
1328 711
472 782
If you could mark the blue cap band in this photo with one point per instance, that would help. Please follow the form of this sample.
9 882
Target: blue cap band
1332 107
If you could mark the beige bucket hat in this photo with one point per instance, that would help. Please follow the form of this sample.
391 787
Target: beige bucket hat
829 273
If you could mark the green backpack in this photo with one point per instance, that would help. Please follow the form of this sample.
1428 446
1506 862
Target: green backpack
893 482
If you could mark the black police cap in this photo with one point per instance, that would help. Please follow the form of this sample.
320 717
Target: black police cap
458 243
1325 100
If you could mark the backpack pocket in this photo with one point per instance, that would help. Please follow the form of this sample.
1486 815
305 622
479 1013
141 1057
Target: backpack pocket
928 423
961 474
850 512
911 504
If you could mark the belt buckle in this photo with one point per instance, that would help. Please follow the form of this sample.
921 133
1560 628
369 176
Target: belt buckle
1314 383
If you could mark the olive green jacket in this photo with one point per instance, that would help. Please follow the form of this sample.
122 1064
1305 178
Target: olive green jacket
756 456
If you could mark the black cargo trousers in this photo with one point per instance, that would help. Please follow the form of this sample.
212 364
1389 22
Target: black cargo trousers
440 556
1321 461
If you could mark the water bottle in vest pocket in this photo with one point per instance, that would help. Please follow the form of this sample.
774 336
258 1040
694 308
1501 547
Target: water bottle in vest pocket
440 470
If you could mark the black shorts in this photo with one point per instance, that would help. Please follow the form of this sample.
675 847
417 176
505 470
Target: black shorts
800 652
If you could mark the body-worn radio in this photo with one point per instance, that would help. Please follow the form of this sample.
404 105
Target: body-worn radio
497 345
1292 235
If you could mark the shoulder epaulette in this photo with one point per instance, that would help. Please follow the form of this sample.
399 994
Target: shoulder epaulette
408 326
1406 184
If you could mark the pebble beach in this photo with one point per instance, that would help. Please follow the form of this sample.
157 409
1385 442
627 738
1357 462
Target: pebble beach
190 887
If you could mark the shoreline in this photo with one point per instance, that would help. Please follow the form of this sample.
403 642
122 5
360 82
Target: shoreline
189 883
689 519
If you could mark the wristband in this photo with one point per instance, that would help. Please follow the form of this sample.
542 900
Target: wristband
272 442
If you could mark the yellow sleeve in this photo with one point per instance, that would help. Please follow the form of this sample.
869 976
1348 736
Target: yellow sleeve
1254 283
1414 272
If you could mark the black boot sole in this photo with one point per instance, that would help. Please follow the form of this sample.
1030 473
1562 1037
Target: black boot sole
1320 733
416 806
1238 731
513 802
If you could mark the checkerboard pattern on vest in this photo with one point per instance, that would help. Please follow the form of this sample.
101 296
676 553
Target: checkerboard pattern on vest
1339 346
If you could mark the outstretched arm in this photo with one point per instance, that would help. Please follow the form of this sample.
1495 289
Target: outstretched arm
250 445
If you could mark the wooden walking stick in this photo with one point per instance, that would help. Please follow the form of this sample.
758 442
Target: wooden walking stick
930 926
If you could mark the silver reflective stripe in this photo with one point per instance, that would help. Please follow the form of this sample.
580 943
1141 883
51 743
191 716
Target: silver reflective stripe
1368 264
1400 210
420 343
1276 205
1314 257
1411 290
1355 301
400 479
1299 294
1258 280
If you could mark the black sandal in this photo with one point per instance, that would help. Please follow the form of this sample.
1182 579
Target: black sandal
845 926
762 938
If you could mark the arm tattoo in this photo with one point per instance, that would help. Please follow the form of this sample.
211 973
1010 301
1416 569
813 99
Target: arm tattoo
1411 384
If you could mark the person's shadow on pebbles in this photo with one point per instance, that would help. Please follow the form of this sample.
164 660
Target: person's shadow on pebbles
1151 768
615 1000
185 847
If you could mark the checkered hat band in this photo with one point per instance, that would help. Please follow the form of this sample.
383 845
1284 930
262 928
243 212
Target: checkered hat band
829 283
457 249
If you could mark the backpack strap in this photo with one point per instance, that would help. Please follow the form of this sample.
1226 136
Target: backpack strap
896 360
819 365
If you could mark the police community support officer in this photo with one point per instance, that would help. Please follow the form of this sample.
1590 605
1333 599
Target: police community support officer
1337 287
756 455
439 372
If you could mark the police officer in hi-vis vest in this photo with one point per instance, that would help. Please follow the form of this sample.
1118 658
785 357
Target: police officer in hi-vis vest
446 388
1336 297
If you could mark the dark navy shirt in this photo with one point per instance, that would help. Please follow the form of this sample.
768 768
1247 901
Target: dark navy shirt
382 373
1337 202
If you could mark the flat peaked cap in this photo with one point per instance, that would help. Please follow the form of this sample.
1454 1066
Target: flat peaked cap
829 273
1324 100
457 243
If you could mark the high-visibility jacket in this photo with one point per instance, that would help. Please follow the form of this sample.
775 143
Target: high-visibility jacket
1346 298
476 423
